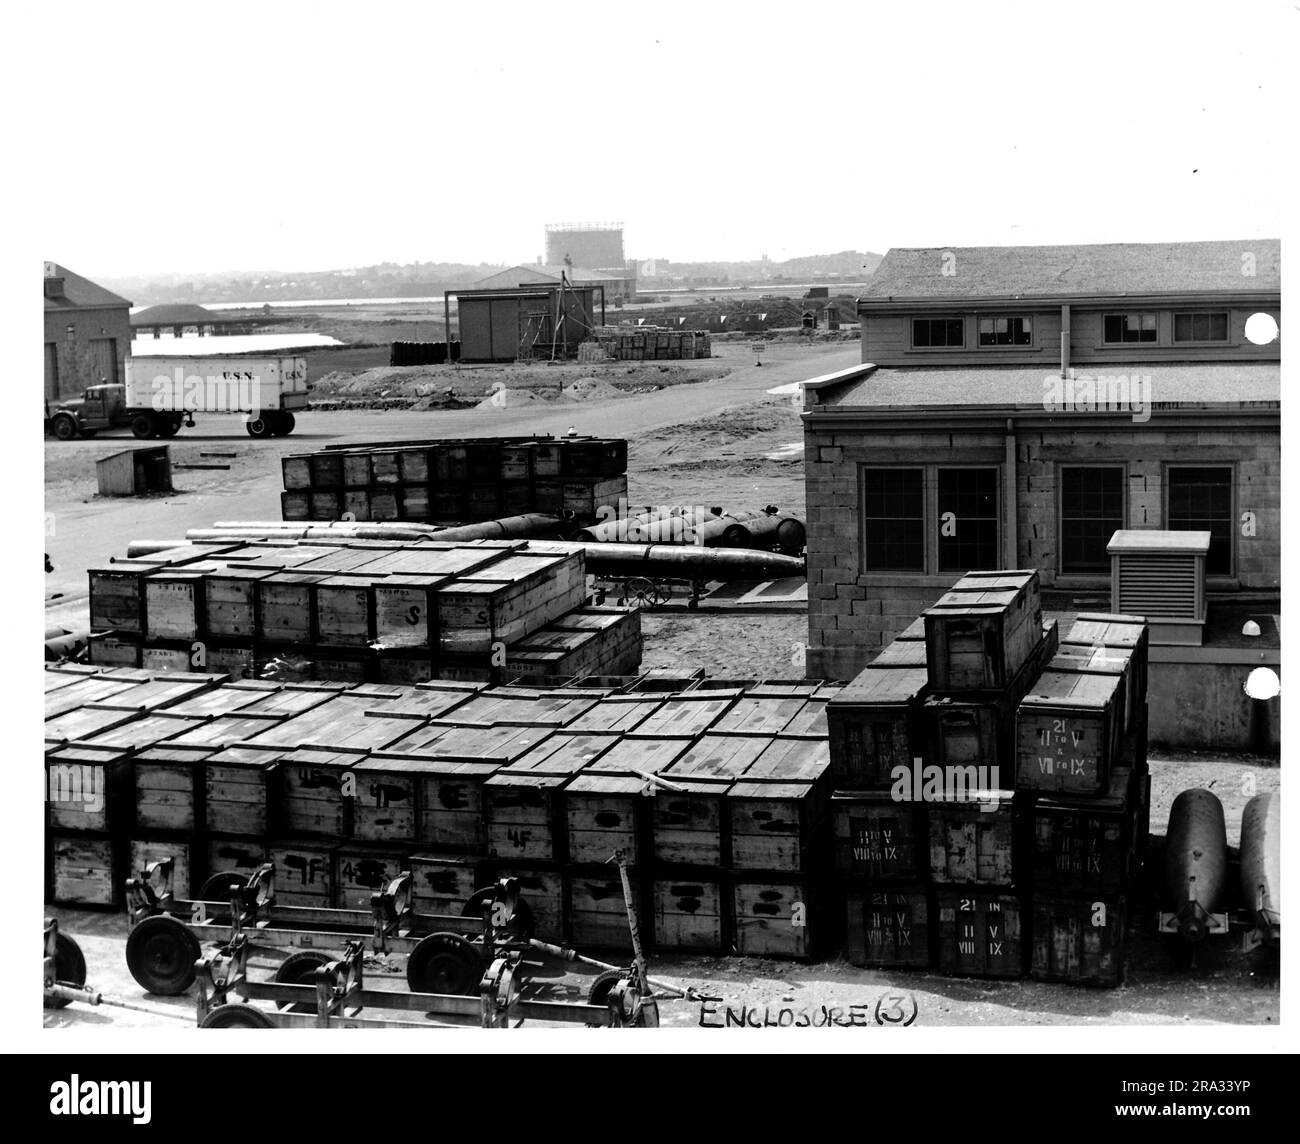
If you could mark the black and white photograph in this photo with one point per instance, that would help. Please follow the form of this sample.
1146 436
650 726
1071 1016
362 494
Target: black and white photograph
758 525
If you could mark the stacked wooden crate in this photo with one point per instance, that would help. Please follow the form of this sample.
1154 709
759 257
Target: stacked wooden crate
360 611
458 481
1081 765
716 796
922 758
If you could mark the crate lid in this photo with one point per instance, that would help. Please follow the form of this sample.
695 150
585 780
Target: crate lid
879 686
90 753
396 762
587 783
564 754
1071 690
225 730
785 791
146 731
635 756
792 759
500 745
719 757
907 653
760 714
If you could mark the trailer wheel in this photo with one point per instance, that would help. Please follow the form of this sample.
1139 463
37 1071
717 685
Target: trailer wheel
160 953
444 963
142 425
236 1016
69 967
169 427
285 424
258 427
300 969
64 427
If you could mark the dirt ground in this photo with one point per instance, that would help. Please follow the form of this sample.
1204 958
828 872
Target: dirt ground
699 433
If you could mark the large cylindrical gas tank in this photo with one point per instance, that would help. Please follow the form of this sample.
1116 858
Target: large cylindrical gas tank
1196 860
1261 863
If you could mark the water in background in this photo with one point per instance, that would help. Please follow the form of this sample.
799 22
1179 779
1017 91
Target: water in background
234 344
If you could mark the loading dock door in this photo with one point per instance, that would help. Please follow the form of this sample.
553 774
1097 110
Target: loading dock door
103 357
51 371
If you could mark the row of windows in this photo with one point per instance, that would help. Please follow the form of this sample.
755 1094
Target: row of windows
1017 330
1091 510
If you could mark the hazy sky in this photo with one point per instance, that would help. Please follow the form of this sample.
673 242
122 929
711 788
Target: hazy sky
296 136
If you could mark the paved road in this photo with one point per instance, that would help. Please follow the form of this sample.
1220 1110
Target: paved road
86 534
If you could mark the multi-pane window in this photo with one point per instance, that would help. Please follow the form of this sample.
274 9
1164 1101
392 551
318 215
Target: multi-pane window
1092 509
1200 499
893 523
1212 327
1119 328
968 519
937 333
1006 332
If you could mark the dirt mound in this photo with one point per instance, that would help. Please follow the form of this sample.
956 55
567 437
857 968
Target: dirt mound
590 389
509 399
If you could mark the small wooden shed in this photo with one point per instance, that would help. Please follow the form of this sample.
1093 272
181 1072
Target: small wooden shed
135 472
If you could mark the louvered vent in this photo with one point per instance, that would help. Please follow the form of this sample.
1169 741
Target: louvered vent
1161 575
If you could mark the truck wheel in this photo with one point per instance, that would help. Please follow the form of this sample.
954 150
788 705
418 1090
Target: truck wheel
142 425
64 427
169 427
286 425
258 427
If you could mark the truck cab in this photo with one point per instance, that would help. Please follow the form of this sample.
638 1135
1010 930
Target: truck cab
99 407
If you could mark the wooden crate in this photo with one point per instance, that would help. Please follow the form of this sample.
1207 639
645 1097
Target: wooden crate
597 909
508 601
362 869
874 725
604 814
85 869
448 797
524 819
332 666
691 821
405 667
312 791
174 603
621 713
146 847
355 469
117 596
776 917
517 462
295 505
759 715
233 853
384 504
685 715
326 469
304 871
88 788
284 607
357 503
113 649
585 497
413 503
1086 843
548 457
1081 659
960 733
980 932
385 466
224 730
325 504
1078 938
889 928
542 887
296 471
239 661
980 633
879 838
170 657
548 496
973 841
231 595
169 788
1068 732
414 466
516 498
777 825
342 610
1116 632
84 723
690 911
902 653
443 883
352 722
482 501
384 800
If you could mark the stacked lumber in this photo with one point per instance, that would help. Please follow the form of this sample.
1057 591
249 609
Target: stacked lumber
717 796
987 789
360 611
458 481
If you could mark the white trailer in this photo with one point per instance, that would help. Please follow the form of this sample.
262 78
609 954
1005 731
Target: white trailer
162 393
